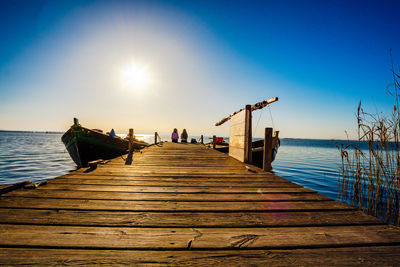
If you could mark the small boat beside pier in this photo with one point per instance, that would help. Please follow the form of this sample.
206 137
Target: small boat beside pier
85 145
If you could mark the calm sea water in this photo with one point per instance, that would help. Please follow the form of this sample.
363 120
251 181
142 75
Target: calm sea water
40 156
32 157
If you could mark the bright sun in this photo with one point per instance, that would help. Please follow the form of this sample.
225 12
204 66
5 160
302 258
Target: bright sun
135 77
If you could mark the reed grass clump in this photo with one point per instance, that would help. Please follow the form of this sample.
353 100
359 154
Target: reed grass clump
370 171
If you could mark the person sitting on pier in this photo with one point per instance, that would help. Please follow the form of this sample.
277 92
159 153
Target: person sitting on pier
184 136
175 136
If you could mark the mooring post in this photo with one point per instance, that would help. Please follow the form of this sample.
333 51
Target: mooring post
201 139
248 136
267 156
155 138
214 141
130 140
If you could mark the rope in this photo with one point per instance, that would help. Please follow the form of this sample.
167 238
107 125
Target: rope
258 120
270 114
159 143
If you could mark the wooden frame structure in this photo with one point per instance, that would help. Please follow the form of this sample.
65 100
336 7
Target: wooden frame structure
240 134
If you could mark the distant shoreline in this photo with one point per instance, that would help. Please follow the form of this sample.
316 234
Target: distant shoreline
47 132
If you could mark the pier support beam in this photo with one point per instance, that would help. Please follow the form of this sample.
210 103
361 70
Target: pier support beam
214 141
155 138
267 155
201 139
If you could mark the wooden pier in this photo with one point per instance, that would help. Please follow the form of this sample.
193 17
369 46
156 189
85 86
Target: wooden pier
184 204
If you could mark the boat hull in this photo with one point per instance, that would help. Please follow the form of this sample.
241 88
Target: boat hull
258 157
85 145
257 151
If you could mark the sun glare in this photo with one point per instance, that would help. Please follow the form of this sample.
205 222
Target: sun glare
136 77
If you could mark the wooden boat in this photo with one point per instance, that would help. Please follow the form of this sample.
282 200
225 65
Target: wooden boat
257 149
85 145
221 145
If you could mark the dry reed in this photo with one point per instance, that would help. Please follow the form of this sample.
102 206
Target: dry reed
370 172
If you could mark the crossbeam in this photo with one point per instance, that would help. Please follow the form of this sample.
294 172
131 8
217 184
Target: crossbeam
256 106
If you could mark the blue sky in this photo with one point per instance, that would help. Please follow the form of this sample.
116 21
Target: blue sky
205 59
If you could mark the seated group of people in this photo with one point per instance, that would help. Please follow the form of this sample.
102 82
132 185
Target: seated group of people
175 136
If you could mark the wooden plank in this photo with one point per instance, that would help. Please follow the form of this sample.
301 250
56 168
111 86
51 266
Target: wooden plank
242 183
170 170
44 193
180 173
168 189
211 167
348 256
194 167
161 177
11 187
147 171
190 179
184 219
175 189
96 204
197 238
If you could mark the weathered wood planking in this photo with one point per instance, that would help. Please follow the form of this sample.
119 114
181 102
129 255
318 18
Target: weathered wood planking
192 178
348 256
183 219
183 204
201 238
193 183
72 194
177 189
98 204
238 135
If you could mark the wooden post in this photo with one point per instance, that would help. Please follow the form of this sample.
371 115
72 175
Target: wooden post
248 138
130 140
267 156
201 139
214 141
155 138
